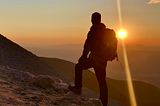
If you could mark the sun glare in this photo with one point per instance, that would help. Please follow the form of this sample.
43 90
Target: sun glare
122 34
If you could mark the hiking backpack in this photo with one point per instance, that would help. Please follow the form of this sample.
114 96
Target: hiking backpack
111 43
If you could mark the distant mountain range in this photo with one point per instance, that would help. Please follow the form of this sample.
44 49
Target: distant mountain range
143 60
72 52
68 52
134 46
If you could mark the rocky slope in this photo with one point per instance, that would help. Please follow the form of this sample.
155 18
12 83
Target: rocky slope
14 56
19 88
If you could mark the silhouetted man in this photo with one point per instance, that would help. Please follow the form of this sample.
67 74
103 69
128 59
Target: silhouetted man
94 55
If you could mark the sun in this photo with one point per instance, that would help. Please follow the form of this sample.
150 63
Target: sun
122 33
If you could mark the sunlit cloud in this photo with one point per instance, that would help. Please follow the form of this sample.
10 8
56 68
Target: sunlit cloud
153 1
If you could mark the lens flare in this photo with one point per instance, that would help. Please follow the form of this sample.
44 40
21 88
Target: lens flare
127 69
129 79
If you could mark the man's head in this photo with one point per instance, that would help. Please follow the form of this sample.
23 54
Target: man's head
96 18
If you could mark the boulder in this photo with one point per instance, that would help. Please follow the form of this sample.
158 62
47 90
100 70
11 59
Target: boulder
57 80
59 86
42 81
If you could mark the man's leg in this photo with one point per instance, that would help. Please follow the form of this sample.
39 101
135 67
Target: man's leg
87 63
100 72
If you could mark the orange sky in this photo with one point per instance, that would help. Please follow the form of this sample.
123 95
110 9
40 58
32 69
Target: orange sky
64 22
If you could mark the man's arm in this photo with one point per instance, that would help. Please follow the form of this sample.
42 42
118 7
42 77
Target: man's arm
86 49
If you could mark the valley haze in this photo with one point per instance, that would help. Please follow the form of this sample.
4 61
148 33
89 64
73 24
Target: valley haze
143 59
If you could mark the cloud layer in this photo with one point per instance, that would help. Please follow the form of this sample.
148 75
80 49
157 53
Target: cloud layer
153 1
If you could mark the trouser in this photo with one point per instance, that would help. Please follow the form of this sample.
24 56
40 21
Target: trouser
100 72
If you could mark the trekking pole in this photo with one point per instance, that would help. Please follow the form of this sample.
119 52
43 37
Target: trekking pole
119 62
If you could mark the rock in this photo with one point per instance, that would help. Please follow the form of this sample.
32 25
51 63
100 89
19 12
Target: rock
28 75
83 99
61 91
42 81
96 101
71 96
58 86
57 80
18 75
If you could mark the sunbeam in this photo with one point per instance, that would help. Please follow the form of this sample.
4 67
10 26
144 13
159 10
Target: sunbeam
119 13
127 69
129 79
